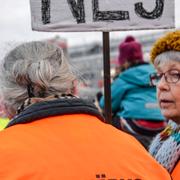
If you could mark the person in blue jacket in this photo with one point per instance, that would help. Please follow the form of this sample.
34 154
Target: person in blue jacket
134 102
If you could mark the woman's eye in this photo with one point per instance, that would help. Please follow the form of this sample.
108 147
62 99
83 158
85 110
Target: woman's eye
174 77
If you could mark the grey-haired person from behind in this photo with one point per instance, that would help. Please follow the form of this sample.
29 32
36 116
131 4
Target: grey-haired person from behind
53 134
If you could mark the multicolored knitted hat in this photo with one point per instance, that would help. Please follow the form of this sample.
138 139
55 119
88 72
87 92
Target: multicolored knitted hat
171 41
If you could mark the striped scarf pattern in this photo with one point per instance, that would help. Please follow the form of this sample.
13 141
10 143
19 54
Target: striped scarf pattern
165 147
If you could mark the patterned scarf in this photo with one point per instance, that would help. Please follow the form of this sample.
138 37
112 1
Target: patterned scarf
165 148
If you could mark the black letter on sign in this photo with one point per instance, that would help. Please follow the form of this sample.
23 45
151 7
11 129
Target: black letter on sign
45 11
77 10
107 15
156 13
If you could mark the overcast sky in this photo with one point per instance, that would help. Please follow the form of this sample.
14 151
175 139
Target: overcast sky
15 25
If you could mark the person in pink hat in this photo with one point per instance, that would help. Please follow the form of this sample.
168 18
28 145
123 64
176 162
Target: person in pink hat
134 104
130 52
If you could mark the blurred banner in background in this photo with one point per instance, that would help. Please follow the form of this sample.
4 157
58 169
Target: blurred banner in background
101 15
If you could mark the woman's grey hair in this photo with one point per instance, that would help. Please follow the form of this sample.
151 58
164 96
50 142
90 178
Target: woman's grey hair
39 65
167 57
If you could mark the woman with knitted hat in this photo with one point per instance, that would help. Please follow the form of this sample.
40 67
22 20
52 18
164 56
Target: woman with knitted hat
133 99
165 56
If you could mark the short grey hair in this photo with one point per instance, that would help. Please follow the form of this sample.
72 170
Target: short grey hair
167 57
39 64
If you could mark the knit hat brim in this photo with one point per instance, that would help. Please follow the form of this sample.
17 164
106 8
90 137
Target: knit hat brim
171 41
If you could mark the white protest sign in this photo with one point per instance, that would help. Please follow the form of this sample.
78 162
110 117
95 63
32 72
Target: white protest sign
101 15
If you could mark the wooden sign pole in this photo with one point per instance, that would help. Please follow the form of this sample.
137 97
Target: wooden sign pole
107 77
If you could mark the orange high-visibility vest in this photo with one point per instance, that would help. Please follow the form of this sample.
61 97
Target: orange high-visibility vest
74 147
176 172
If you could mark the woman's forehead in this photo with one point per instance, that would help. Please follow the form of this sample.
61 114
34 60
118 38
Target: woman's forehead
167 65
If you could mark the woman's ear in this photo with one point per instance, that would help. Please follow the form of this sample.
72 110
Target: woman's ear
2 112
2 108
6 111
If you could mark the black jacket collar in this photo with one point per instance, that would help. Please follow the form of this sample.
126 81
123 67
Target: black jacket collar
53 108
